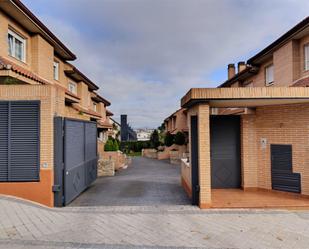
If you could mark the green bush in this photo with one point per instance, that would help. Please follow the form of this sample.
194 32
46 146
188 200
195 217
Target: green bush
134 146
180 138
111 144
115 145
169 139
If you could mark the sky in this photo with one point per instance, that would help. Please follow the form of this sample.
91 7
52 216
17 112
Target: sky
146 54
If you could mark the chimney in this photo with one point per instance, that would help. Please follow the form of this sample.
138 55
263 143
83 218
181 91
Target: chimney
241 66
230 71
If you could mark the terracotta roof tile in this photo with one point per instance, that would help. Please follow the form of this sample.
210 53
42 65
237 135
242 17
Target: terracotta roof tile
302 82
6 64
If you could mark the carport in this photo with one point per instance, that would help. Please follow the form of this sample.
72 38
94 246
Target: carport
258 145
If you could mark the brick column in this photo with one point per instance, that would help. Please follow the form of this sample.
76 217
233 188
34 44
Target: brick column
204 155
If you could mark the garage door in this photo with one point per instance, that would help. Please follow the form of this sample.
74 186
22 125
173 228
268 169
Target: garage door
19 141
225 151
79 158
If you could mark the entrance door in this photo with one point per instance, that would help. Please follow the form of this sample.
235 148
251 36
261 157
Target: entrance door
194 161
225 151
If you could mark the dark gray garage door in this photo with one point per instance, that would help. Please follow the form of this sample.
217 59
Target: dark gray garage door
225 151
79 158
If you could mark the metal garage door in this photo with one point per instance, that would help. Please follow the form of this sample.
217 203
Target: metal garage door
79 158
19 141
225 151
282 175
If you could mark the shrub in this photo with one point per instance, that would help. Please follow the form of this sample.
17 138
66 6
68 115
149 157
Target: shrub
134 146
115 145
169 139
180 138
109 145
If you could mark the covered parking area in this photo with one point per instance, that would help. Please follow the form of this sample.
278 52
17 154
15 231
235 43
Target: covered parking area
253 154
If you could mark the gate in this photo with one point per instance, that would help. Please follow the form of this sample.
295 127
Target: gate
75 158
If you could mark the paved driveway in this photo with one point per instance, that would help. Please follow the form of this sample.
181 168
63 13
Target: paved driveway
141 224
145 182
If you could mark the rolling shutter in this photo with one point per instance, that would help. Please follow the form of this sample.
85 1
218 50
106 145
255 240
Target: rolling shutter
20 150
4 141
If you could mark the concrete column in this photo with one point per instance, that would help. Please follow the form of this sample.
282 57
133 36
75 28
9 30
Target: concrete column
204 155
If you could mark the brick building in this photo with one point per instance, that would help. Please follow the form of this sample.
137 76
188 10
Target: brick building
37 84
252 132
176 122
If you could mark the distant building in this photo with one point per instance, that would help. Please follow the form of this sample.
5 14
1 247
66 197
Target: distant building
127 133
143 134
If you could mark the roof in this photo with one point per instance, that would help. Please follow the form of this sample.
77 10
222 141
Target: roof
98 98
255 61
174 113
245 96
6 64
301 26
77 75
115 121
105 124
242 75
304 82
109 113
18 11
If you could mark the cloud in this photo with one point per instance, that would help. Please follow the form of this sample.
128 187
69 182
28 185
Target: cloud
146 54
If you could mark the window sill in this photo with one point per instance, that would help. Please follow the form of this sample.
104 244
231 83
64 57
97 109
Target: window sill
18 60
269 84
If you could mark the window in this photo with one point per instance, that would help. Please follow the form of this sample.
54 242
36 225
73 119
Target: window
307 57
17 46
269 75
95 107
56 70
73 87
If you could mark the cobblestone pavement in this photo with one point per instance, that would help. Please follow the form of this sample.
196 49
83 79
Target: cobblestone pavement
144 182
26 225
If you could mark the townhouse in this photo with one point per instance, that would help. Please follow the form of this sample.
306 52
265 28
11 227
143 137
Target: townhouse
51 113
249 138
176 122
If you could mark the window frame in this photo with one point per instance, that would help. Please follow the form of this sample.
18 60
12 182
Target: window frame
75 86
56 66
306 57
20 39
266 78
94 104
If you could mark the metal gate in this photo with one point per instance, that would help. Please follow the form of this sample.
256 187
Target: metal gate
225 151
75 158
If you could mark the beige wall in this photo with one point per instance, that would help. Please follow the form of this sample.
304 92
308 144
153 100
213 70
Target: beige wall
38 191
178 122
288 63
202 111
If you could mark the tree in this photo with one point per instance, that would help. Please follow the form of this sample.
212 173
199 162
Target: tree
154 139
169 139
161 128
180 138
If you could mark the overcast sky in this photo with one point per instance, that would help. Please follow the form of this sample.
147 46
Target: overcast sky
146 54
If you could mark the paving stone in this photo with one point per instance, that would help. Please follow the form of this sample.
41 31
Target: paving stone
170 223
